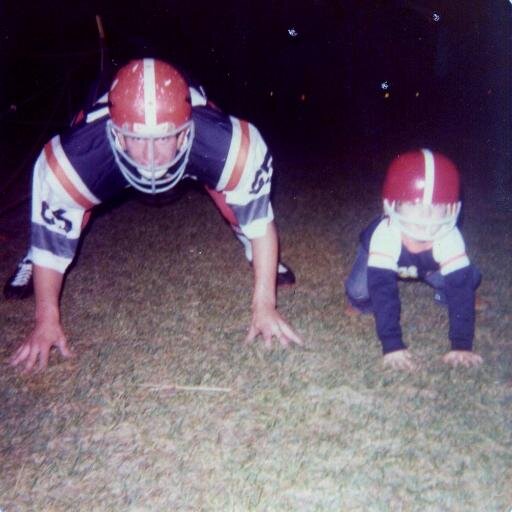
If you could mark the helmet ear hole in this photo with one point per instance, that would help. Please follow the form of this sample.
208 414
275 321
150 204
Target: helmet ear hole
388 206
119 140
181 138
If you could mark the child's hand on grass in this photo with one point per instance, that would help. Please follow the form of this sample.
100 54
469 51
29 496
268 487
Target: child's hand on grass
400 360
462 358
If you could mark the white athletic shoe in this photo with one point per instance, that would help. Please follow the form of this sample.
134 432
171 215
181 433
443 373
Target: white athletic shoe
20 285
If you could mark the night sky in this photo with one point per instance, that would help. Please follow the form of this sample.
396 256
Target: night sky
316 69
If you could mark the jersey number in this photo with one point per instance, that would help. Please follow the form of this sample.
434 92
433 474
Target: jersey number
408 272
55 218
263 175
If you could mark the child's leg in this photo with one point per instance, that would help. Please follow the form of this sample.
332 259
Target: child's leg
356 285
436 280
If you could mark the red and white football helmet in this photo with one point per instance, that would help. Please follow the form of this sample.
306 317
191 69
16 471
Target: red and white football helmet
150 130
421 194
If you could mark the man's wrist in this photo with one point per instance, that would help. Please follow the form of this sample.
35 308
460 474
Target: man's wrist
263 303
47 315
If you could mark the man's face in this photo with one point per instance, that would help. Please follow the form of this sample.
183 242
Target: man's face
151 151
151 158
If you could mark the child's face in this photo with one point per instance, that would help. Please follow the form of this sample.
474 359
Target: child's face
423 222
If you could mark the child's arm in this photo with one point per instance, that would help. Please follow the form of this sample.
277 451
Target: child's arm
383 289
399 360
462 358
460 296
459 287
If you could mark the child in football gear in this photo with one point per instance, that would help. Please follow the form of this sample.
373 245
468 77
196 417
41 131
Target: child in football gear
416 238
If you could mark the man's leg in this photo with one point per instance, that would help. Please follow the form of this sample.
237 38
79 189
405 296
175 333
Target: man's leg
285 275
20 284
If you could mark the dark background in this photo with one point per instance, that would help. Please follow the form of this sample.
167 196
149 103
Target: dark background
317 75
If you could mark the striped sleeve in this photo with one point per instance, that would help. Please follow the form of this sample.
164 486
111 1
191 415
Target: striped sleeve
59 201
450 252
385 247
246 179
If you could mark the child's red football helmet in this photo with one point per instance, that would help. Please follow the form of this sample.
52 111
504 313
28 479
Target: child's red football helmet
421 194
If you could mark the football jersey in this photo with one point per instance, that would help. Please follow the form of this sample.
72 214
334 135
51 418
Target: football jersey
77 171
383 241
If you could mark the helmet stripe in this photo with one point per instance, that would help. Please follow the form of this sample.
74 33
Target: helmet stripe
428 191
149 92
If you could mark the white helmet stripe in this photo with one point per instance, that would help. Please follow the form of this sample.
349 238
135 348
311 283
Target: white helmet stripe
428 191
149 92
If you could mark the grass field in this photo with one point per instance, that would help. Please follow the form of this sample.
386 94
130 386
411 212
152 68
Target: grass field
165 409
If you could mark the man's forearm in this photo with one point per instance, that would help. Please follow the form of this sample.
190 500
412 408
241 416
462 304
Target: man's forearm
47 287
265 255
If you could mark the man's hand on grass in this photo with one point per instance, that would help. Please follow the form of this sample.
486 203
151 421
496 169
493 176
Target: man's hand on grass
34 352
268 322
